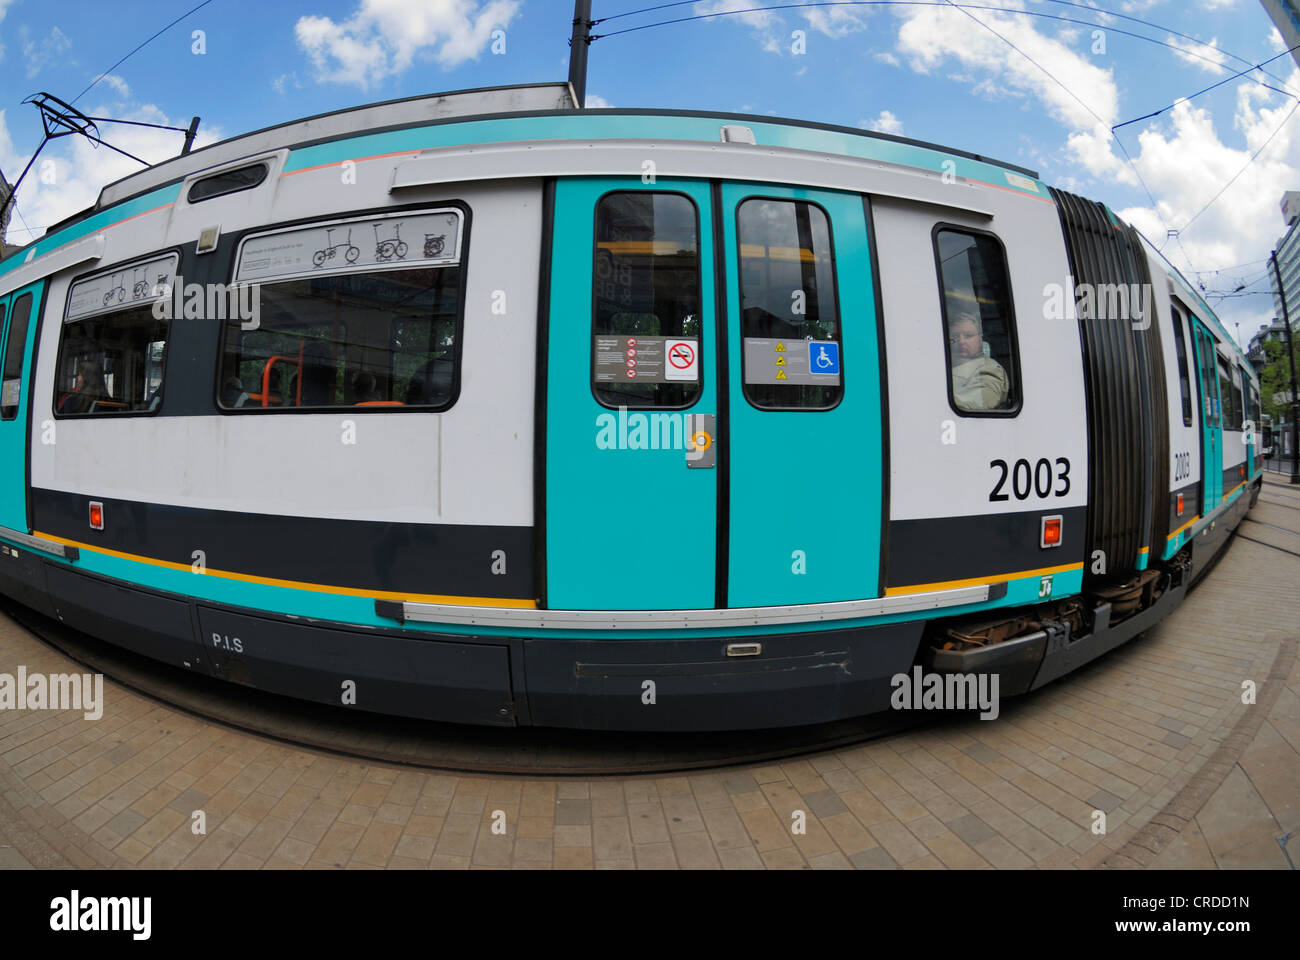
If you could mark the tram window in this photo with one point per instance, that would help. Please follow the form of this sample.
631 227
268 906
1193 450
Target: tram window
111 364
229 181
787 299
646 300
1231 419
978 323
1254 408
13 361
384 340
1212 409
1184 375
1238 403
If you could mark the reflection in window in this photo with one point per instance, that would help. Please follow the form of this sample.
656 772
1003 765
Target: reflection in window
112 364
646 293
384 339
978 325
787 299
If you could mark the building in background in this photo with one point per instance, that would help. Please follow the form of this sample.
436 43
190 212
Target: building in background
1286 17
1288 262
1255 353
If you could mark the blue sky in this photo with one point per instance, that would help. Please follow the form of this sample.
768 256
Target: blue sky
925 71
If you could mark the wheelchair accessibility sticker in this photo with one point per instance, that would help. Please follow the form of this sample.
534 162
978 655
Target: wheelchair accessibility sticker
824 357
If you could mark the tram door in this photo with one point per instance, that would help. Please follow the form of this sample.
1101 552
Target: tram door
1211 420
17 311
803 421
631 398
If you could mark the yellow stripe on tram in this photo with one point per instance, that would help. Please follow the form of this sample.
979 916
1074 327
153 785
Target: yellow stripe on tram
298 584
979 581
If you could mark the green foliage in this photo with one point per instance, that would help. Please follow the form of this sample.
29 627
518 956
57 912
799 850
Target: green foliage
1276 378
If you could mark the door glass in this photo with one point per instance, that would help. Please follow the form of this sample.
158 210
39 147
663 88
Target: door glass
13 360
1184 378
646 330
789 315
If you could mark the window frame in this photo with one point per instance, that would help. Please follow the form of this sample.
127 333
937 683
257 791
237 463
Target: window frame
1013 335
699 286
1223 369
1181 349
7 327
740 294
266 172
351 216
64 323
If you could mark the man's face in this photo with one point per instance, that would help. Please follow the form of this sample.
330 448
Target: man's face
966 340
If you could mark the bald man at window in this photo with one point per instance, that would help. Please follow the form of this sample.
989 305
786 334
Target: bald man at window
978 381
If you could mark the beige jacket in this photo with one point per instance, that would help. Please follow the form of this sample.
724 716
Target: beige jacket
979 384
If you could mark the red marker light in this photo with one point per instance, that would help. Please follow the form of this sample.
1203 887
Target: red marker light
1051 536
96 515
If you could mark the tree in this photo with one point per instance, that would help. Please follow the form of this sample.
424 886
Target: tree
1276 378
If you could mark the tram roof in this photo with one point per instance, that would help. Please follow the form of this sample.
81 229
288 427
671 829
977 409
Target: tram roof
538 111
471 109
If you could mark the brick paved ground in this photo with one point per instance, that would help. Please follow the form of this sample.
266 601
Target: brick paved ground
1154 735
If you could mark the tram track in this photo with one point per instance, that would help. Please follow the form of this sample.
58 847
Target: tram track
444 747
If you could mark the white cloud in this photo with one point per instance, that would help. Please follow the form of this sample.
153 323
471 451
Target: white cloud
384 37
770 27
762 19
885 123
835 21
38 53
596 102
1183 157
887 57
1187 165
117 83
81 169
1275 40
283 81
1206 56
1085 100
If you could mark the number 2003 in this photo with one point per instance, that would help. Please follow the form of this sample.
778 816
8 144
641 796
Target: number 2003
1031 479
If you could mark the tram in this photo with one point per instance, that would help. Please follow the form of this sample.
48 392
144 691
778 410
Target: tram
483 408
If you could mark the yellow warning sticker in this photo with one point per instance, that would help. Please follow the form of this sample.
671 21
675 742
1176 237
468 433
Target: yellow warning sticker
780 374
780 361
780 348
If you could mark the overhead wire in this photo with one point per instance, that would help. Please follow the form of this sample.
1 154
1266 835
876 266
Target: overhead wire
769 8
139 48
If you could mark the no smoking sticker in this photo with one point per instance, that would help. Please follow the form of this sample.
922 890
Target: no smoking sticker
681 360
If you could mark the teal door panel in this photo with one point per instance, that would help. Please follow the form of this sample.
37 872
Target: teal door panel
1211 421
631 511
805 472
19 311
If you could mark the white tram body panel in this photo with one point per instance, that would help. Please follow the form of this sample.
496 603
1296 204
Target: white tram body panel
464 548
